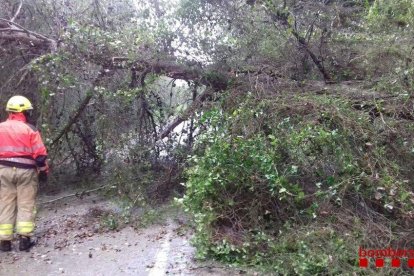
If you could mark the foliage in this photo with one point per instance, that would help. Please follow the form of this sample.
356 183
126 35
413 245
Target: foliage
269 169
282 168
390 14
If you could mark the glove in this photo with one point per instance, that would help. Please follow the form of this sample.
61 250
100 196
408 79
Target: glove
42 176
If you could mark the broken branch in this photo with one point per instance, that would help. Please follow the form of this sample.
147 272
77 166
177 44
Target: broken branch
75 194
17 11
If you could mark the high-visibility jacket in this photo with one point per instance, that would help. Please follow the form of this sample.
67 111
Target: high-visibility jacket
21 145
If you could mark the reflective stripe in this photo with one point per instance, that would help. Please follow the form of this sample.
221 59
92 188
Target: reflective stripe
24 227
15 149
38 146
19 160
6 226
6 229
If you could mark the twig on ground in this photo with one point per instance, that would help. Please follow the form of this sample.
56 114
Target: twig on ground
208 267
78 194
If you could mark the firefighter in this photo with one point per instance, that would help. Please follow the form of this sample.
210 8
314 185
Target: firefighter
22 165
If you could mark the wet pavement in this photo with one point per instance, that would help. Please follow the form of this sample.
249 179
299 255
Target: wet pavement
71 241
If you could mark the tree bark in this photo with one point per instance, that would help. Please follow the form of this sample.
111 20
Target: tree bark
302 42
13 32
189 112
283 20
76 114
17 11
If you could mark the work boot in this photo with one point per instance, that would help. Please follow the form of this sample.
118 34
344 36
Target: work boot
5 246
25 243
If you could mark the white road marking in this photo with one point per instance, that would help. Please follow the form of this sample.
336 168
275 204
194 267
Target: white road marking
161 259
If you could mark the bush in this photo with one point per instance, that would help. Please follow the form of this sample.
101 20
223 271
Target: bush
388 14
272 168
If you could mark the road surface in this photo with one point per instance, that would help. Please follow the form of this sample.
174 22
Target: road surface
71 240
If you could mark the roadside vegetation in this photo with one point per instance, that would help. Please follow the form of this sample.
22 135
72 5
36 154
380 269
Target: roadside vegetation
283 128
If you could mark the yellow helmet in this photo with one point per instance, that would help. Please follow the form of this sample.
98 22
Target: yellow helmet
18 104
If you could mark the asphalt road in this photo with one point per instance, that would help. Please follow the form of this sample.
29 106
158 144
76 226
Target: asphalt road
71 241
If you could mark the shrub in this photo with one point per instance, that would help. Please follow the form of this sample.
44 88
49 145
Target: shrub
270 170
